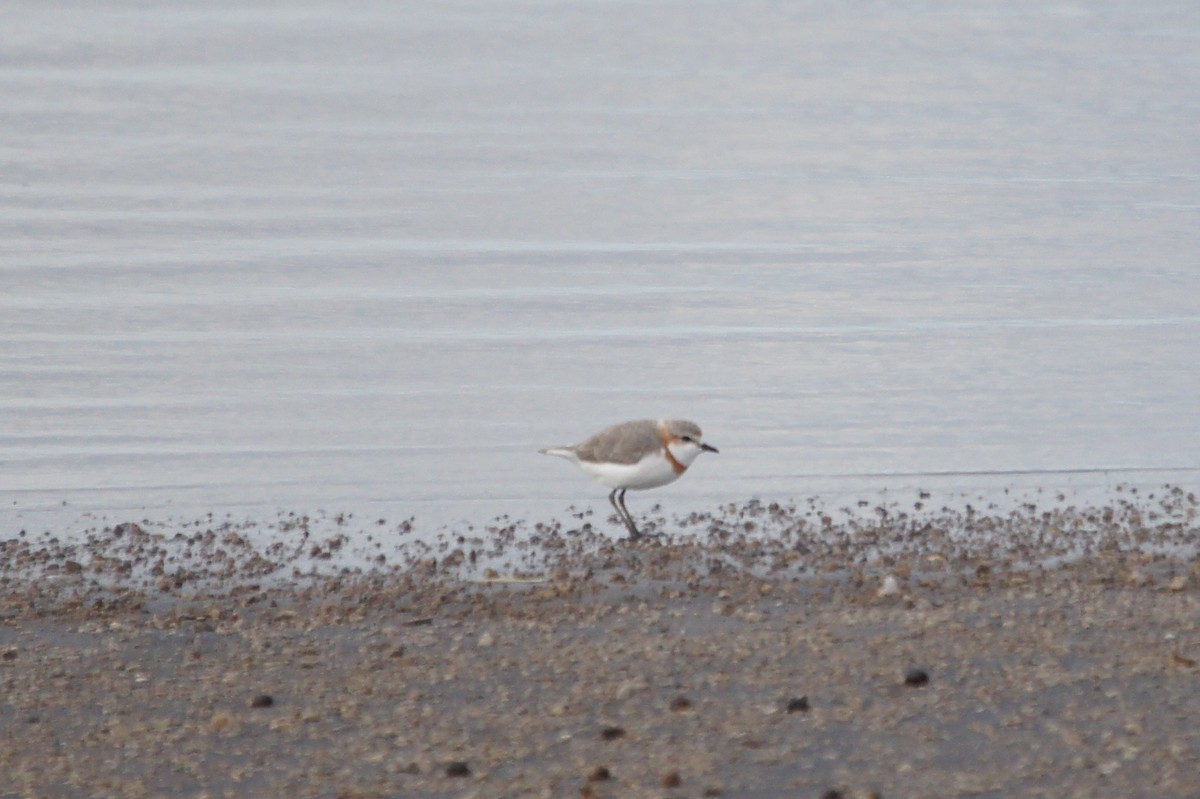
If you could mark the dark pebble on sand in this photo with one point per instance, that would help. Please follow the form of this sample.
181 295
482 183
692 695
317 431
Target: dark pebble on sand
458 768
612 733
798 705
915 677
680 704
600 774
672 780
262 700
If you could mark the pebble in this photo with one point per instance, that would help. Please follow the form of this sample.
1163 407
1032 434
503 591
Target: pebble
599 774
916 677
889 587
629 688
612 733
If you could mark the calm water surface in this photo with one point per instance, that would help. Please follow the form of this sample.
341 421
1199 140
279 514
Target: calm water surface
299 256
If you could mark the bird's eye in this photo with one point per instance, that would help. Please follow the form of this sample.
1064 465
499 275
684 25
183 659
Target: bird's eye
689 439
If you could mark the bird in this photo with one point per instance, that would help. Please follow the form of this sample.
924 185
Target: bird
640 454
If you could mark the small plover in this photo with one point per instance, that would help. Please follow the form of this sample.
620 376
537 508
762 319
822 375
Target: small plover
638 455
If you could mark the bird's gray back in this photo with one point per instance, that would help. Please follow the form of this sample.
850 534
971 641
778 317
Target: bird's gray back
626 443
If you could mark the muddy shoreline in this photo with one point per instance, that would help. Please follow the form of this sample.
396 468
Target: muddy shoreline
687 665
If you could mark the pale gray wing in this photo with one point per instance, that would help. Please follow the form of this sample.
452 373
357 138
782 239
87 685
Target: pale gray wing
628 442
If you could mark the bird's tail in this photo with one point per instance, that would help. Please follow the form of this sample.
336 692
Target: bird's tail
560 452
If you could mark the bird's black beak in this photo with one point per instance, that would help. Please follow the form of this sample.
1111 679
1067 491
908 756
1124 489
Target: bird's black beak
709 448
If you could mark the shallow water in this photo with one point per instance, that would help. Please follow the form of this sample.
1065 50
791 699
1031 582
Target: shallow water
264 257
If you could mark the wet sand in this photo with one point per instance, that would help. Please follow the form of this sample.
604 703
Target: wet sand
758 652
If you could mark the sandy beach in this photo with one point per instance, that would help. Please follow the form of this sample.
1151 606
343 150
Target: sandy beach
733 660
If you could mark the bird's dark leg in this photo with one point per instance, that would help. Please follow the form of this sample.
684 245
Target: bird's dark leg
617 498
612 500
633 531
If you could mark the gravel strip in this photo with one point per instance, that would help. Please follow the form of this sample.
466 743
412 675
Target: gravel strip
696 667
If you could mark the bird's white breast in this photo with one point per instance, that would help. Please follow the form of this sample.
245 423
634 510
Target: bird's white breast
650 472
